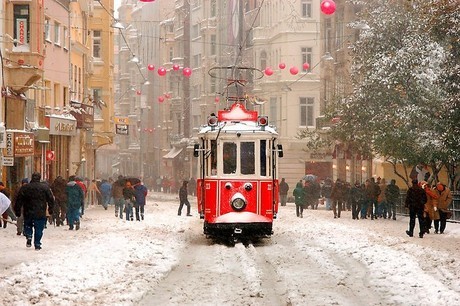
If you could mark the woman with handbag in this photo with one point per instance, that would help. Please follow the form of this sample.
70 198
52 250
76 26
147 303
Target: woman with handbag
444 201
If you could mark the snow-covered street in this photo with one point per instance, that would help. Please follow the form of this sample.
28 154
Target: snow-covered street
166 260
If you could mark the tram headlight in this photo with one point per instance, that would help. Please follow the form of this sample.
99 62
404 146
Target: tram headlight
238 202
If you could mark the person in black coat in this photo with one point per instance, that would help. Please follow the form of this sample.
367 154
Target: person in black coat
33 200
415 201
183 198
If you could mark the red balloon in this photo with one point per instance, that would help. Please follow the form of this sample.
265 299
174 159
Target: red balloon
306 66
294 70
216 99
187 72
282 65
162 71
161 99
328 7
176 67
268 71
150 67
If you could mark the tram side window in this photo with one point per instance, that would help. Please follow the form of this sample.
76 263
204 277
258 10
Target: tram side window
247 158
263 158
229 157
213 157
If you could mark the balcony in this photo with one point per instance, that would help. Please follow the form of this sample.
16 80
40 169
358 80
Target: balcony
23 69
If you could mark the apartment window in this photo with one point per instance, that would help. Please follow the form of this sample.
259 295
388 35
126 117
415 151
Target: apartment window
306 57
97 95
273 110
57 34
197 61
306 8
65 37
196 31
171 53
97 44
263 60
47 30
307 107
21 24
213 8
57 94
213 44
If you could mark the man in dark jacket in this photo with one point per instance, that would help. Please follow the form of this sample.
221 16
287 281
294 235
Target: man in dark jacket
75 202
34 198
183 197
284 188
392 194
140 192
415 201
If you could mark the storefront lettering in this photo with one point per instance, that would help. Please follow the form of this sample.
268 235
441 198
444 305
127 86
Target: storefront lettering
64 127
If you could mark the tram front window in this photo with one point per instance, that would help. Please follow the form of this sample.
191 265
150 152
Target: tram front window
247 158
229 157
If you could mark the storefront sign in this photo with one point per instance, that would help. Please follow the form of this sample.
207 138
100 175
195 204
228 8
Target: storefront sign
61 126
7 161
23 144
9 151
121 129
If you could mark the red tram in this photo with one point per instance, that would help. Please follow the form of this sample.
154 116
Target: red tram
237 188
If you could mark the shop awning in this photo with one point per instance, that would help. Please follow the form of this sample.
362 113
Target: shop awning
173 153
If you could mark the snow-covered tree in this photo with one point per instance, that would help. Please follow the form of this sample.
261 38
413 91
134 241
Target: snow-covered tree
401 104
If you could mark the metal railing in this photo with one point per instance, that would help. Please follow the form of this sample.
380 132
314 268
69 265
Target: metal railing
455 206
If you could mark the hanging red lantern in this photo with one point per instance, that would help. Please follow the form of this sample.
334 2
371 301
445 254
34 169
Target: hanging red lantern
268 71
138 92
176 67
217 99
187 72
150 67
150 130
162 71
161 99
305 66
167 96
294 70
328 7
282 65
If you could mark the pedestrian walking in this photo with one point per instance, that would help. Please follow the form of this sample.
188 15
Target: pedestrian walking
326 191
299 199
392 195
444 201
284 188
140 193
60 198
20 219
129 200
356 198
415 202
183 198
34 200
106 192
337 198
75 203
117 194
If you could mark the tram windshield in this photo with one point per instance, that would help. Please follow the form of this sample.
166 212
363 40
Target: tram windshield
228 157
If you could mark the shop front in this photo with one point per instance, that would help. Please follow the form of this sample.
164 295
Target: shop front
62 130
18 155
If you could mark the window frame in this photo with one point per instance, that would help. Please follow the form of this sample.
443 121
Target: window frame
307 111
